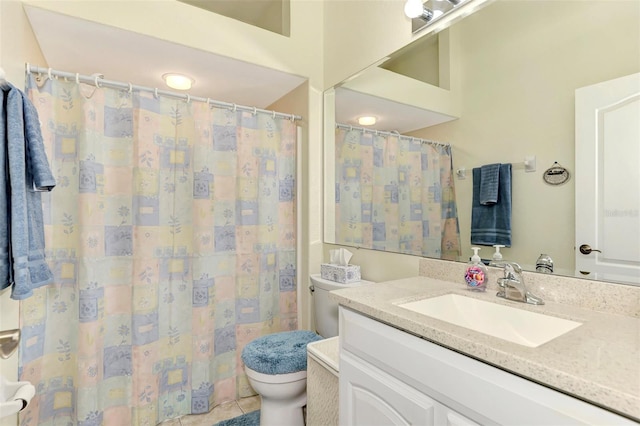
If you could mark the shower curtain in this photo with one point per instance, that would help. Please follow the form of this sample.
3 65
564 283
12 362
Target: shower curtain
172 238
395 194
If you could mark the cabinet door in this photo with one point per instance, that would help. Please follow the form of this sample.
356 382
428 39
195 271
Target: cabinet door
370 397
449 417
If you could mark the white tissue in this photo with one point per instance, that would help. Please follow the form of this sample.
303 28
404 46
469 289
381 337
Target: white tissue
340 257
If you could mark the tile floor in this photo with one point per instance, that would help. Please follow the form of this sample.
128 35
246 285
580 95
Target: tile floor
224 411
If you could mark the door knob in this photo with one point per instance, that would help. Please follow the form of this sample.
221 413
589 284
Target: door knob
586 249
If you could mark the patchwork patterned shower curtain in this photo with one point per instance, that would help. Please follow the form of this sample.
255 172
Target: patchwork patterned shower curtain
172 238
395 194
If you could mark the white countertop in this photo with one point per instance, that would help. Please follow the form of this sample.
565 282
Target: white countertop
598 362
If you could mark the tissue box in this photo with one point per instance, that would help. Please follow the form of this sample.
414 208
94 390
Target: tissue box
341 274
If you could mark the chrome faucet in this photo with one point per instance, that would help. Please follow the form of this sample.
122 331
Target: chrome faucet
512 284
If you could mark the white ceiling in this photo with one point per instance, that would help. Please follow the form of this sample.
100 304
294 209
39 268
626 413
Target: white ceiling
402 118
80 46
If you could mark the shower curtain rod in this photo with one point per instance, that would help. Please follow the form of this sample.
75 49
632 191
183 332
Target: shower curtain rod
392 133
99 81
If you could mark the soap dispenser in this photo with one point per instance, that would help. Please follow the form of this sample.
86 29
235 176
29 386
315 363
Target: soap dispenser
497 256
476 274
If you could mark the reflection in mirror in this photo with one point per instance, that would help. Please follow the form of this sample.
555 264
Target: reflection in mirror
500 86
395 193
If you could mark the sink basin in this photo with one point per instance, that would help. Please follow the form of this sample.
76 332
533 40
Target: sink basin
515 325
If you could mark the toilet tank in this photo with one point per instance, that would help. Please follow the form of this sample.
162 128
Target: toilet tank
325 309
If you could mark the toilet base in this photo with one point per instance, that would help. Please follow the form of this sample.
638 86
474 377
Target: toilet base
282 397
274 412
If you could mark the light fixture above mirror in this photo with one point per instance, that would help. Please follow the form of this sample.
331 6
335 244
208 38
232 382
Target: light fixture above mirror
422 14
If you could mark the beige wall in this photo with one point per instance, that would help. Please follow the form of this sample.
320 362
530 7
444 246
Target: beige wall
359 33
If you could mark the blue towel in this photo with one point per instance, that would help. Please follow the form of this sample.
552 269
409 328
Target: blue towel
23 163
491 224
489 182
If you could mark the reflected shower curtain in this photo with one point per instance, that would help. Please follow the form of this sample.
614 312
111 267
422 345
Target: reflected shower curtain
395 194
172 235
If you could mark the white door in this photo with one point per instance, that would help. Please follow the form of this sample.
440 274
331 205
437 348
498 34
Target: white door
608 180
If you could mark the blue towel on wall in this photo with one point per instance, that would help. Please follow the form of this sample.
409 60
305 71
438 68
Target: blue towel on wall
491 224
489 183
24 165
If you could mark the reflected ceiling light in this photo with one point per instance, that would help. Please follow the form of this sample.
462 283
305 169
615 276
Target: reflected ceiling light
367 120
178 81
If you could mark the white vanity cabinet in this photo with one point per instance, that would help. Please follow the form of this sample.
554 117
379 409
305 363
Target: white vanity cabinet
388 376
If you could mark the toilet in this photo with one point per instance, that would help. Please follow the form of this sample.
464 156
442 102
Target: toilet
325 309
276 366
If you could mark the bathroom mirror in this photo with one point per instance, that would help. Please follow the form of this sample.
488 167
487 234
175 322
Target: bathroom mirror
499 86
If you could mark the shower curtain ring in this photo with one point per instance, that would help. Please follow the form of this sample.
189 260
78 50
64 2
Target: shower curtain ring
188 98
235 107
130 88
28 68
49 74
255 111
274 114
155 93
77 78
95 81
209 102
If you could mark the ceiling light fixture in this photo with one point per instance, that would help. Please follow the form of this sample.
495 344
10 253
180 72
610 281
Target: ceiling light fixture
178 81
367 120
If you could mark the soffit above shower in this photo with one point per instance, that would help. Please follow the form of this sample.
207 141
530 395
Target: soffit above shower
77 45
